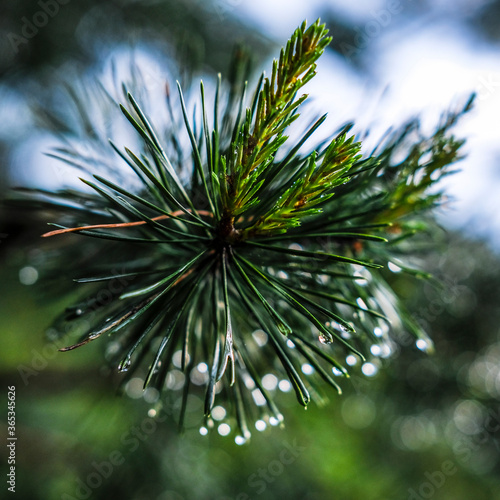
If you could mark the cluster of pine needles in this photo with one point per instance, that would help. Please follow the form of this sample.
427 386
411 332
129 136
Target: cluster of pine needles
243 262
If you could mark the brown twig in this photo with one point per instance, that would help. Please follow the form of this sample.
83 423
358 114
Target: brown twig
120 225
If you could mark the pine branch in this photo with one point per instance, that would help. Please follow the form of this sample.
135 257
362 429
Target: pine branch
238 265
262 133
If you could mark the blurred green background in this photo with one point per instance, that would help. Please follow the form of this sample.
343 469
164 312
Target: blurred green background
426 426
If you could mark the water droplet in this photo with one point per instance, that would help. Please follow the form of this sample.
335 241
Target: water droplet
218 413
134 388
351 360
151 413
151 395
285 386
199 377
175 380
290 344
125 364
269 382
203 431
386 351
177 359
260 337
307 369
260 425
28 275
346 328
393 267
239 440
249 382
361 303
369 369
376 350
377 331
360 279
202 367
224 429
258 397
324 340
422 344
274 421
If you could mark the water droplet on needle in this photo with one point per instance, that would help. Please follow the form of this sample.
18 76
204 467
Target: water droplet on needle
324 340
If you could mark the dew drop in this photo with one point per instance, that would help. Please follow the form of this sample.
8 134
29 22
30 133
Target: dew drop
369 369
351 360
285 386
202 367
422 344
258 397
307 369
323 279
260 425
28 275
224 429
361 303
151 395
346 328
324 340
177 359
124 365
270 381
249 383
239 440
218 413
134 388
393 267
175 380
260 337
